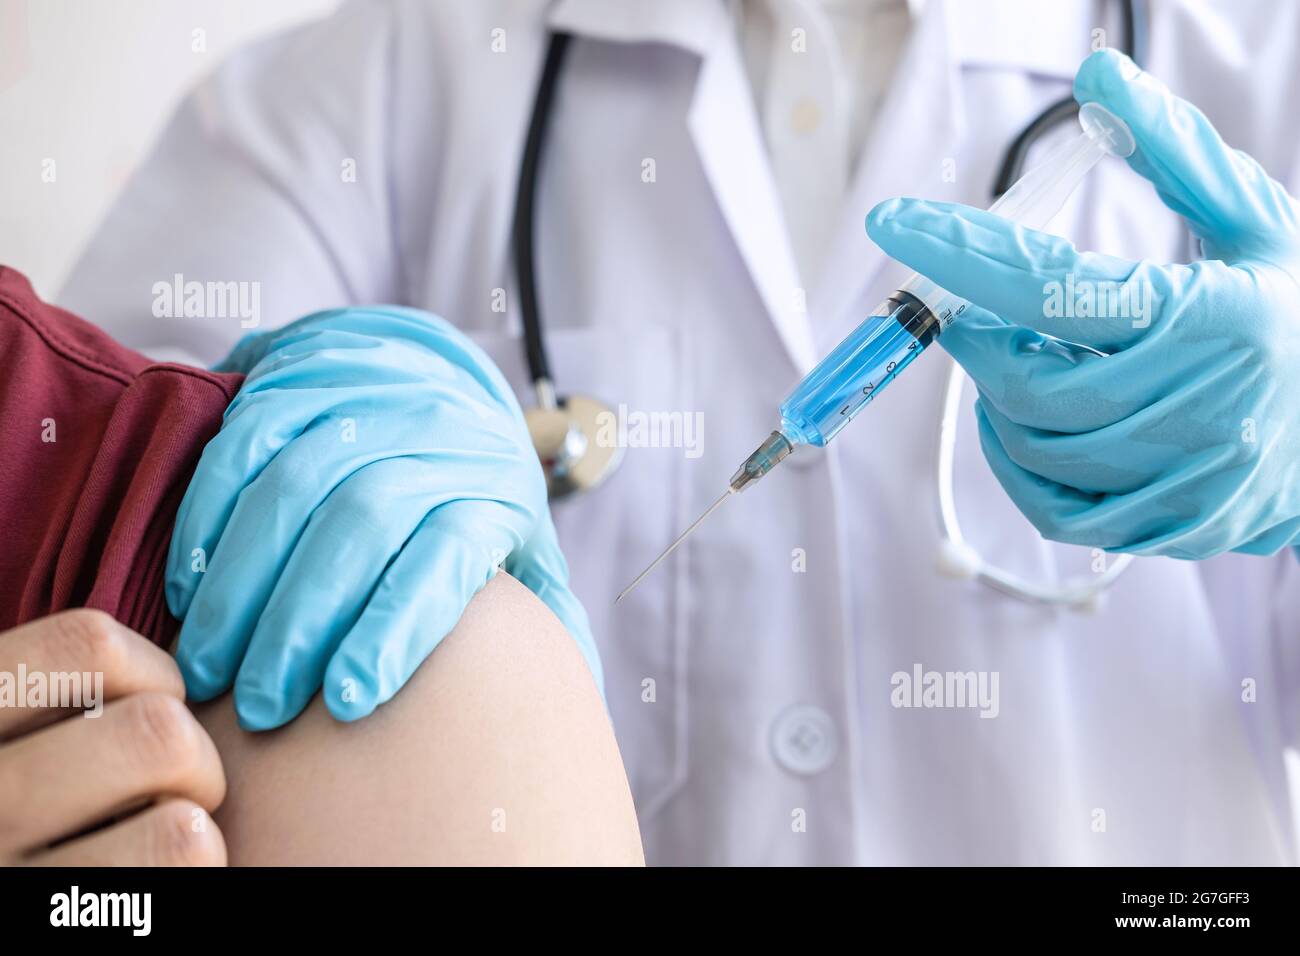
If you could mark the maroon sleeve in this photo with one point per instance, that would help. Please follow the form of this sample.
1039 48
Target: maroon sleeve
97 445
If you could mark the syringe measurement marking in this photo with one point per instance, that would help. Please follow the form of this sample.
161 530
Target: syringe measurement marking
868 390
947 316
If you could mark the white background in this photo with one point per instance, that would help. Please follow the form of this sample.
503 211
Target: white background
89 84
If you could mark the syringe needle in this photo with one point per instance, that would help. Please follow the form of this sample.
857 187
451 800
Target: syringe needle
673 547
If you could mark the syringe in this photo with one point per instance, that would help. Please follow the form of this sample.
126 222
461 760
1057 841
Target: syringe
873 354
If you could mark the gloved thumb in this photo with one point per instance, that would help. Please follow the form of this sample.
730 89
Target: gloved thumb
1231 204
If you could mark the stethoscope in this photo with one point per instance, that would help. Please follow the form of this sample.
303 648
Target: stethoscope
564 428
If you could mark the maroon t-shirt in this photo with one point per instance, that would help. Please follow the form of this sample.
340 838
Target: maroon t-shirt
97 446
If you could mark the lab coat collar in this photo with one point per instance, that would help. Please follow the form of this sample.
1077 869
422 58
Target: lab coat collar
728 135
918 124
995 33
728 138
690 24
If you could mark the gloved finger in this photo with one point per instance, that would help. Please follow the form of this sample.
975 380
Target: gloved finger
1057 511
418 601
344 549
271 513
252 435
540 566
1029 278
445 349
268 414
985 346
1085 461
1226 197
275 409
1141 521
1034 380
249 556
1273 540
1045 383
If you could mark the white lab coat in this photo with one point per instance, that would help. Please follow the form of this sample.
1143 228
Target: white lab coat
749 678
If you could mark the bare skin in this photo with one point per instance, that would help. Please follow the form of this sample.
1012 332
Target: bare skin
498 751
132 786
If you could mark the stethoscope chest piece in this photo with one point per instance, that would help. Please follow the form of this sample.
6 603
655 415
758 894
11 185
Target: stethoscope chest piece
575 443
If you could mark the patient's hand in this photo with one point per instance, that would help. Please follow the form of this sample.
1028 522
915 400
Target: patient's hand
143 763
499 750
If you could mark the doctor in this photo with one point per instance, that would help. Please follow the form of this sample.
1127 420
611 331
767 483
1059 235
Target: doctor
701 244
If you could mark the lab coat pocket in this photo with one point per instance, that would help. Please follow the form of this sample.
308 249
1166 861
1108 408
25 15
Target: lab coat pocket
611 532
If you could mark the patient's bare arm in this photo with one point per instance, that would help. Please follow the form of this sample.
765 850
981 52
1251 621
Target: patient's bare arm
498 751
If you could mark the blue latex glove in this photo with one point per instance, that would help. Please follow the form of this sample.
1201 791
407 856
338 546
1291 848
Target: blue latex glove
1182 440
369 477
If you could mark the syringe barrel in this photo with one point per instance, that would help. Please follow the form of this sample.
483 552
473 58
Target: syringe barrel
863 363
874 353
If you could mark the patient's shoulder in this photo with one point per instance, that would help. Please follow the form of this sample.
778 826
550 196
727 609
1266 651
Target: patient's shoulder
499 750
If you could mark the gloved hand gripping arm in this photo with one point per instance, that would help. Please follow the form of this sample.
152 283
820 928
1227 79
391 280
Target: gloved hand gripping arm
367 481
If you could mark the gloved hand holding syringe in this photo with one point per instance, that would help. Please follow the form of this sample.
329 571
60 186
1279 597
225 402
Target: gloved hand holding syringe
873 355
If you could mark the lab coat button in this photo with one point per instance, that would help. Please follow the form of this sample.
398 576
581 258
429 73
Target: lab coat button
804 740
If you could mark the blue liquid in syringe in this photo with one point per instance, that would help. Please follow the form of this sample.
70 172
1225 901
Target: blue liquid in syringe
858 369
